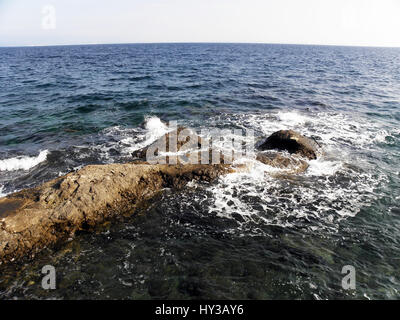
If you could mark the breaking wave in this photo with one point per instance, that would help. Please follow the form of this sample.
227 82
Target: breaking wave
23 163
1 192
128 140
335 186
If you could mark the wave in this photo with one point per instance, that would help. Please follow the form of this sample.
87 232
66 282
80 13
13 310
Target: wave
127 140
335 186
23 163
328 193
154 128
1 192
334 129
323 167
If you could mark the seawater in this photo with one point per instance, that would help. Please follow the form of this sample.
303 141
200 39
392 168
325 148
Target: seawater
248 235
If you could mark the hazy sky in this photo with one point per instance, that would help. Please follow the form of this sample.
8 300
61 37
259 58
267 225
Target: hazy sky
341 22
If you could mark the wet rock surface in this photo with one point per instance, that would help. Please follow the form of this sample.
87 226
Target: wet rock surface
290 164
53 212
291 141
181 146
35 218
171 142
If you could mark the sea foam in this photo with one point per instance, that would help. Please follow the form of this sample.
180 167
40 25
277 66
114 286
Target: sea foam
154 129
1 192
22 163
335 186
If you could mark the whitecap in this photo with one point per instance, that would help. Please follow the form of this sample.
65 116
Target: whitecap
292 118
22 163
1 192
132 139
155 127
335 186
321 167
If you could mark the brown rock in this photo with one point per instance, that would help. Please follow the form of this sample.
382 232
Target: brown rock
166 139
35 218
187 148
290 165
291 141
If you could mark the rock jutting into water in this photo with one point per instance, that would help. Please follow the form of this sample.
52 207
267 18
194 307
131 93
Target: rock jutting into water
171 142
182 146
297 145
51 213
291 141
288 164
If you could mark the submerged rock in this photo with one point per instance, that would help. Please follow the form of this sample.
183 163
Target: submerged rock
35 218
291 141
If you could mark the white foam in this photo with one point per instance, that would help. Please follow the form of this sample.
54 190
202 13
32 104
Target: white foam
132 139
1 192
337 130
259 197
292 118
155 127
335 186
22 163
322 167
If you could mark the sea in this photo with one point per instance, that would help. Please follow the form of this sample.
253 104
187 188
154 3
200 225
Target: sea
250 234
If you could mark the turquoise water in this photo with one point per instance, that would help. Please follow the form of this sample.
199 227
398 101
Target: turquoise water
249 235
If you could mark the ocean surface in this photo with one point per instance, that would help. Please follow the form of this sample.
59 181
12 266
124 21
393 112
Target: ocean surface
249 235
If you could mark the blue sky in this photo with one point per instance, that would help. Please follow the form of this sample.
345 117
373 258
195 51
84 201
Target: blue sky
336 22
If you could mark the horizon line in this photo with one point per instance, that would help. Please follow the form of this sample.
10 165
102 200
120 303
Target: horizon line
196 42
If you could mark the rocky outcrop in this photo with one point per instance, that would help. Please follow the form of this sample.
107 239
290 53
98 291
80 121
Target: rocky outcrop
53 212
288 164
291 141
165 140
43 216
178 147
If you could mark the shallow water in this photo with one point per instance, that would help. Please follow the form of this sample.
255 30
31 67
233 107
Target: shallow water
250 234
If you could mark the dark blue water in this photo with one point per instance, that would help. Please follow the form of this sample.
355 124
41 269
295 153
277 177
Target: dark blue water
250 235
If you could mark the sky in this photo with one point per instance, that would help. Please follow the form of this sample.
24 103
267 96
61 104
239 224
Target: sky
326 22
